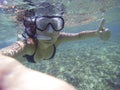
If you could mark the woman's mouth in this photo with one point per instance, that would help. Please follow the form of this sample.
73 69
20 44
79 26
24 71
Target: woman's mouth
42 37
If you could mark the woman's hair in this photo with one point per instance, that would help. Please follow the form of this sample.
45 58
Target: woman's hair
26 17
42 9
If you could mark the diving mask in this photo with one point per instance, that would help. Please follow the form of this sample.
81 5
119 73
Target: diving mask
56 22
42 23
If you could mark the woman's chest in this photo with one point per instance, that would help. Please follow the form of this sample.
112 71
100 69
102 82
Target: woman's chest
47 53
33 54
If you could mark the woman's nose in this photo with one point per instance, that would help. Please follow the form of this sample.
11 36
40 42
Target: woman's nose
50 29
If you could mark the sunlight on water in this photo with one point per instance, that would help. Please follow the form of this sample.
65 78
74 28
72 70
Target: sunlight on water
79 11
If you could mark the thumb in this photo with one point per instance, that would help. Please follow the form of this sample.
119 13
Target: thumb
101 24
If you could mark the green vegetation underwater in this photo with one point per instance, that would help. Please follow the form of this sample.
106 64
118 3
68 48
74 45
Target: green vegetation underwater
90 64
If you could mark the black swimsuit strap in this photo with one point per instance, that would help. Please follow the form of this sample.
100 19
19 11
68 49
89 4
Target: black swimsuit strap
53 51
30 58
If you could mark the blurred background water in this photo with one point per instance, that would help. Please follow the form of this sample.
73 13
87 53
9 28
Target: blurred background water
89 64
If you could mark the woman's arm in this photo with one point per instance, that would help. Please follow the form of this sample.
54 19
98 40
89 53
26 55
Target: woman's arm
77 36
102 33
13 49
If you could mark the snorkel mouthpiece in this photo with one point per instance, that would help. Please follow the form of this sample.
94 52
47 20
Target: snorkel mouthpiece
41 37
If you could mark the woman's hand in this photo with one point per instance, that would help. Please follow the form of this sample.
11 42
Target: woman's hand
103 33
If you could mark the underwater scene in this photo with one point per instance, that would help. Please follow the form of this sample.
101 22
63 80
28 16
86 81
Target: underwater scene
90 64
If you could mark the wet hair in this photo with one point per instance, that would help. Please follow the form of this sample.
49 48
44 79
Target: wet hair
29 13
27 17
41 9
47 9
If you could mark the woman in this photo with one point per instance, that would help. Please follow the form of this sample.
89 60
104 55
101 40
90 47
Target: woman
43 34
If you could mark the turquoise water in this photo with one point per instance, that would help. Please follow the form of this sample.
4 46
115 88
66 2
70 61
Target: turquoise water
90 64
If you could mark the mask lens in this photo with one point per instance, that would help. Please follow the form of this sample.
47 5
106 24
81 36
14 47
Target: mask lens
57 23
41 23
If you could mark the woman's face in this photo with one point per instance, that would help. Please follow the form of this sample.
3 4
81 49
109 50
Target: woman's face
46 28
48 36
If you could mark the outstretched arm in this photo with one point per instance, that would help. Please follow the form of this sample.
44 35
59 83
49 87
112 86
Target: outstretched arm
13 49
102 33
18 48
